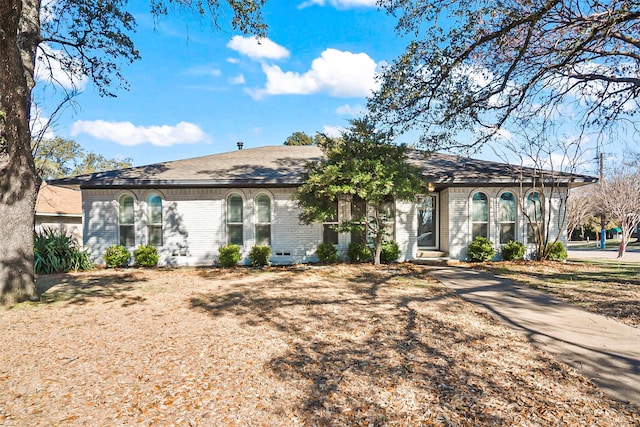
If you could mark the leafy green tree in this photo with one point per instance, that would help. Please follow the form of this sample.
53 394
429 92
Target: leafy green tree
479 65
93 162
299 138
362 164
59 157
54 157
88 38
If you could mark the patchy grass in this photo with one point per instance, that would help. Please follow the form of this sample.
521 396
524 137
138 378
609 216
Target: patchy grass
608 287
340 345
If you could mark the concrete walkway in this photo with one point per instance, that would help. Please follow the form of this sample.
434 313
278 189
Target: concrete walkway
606 351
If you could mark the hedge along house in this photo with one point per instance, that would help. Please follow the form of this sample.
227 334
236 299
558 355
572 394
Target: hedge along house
189 208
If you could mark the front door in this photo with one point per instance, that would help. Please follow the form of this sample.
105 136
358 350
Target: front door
428 222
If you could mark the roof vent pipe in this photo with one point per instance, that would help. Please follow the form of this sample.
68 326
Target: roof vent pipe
240 144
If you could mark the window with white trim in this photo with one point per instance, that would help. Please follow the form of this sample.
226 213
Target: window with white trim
235 223
388 213
479 215
359 214
263 220
507 205
329 234
154 220
534 211
126 221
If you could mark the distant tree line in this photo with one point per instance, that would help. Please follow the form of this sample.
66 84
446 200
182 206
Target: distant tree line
59 157
617 197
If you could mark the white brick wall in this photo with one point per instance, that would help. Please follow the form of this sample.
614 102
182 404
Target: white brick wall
406 229
100 211
195 225
443 212
460 227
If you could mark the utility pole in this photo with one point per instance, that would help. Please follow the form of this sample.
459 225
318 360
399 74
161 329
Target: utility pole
603 220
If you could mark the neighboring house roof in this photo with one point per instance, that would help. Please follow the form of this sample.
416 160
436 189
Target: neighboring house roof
58 201
284 165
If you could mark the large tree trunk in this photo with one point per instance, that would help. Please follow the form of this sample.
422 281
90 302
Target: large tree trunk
19 33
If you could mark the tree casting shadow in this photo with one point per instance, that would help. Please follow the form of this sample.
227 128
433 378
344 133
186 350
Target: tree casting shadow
354 344
80 289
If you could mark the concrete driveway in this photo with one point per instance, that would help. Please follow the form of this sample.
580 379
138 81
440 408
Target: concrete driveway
604 350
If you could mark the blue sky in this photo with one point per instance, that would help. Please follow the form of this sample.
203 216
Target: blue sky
197 91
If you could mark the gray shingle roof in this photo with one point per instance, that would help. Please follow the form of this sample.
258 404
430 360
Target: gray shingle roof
445 170
283 165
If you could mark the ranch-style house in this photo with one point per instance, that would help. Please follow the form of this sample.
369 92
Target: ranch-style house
189 208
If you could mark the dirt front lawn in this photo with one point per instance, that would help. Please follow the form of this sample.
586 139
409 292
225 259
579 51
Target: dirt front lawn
326 346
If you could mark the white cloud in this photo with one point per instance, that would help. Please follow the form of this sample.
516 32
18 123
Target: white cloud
256 48
55 67
351 110
126 133
40 124
336 73
339 4
233 60
238 80
333 131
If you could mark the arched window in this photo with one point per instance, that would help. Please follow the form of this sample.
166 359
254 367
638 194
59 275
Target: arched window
507 217
534 212
235 219
263 220
126 224
479 215
154 220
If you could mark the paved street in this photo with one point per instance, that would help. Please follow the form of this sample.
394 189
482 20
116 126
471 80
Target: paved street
632 255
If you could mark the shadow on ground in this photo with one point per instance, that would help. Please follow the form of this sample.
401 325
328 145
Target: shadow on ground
382 347
115 286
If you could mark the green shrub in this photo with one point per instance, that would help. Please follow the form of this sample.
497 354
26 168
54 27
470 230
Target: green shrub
481 249
390 252
259 256
146 256
327 253
556 251
229 255
359 252
512 251
55 251
116 256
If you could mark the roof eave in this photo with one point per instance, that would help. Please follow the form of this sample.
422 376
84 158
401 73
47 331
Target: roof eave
128 183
